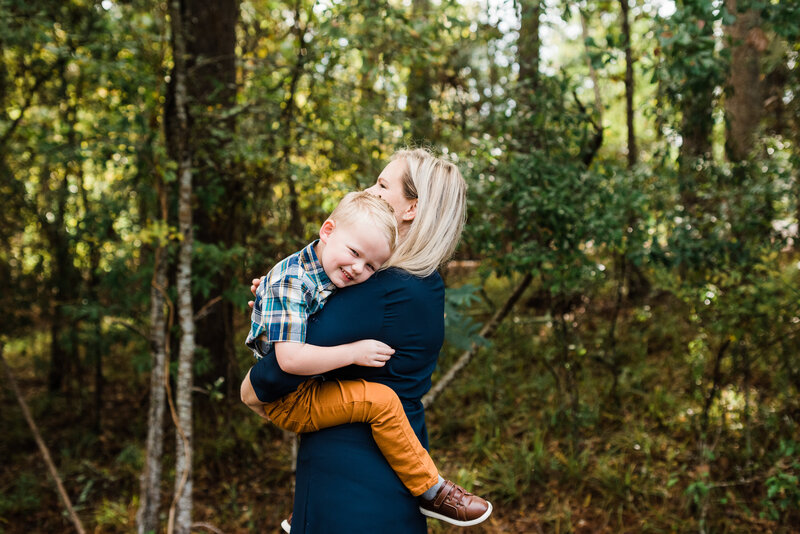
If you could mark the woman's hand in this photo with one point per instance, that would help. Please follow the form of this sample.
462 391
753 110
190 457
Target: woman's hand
254 283
371 353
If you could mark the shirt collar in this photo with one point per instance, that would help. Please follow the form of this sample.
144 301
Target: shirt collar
313 267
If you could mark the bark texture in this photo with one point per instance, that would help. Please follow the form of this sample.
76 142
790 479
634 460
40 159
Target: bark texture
744 101
150 480
420 86
210 39
181 512
629 84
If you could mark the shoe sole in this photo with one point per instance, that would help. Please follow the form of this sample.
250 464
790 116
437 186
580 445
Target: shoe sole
286 526
456 522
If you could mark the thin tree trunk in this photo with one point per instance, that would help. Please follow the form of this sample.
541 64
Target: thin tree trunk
209 31
420 85
94 347
594 145
64 356
748 431
697 123
181 512
629 87
150 481
716 378
598 98
288 131
528 55
743 103
529 43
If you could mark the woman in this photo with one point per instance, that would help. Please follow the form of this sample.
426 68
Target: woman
343 482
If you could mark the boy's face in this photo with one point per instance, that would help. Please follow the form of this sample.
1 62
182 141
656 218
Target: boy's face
352 252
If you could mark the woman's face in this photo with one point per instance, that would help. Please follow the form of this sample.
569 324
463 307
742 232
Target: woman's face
390 188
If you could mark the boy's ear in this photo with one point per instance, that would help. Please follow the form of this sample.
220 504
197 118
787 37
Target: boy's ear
326 230
410 212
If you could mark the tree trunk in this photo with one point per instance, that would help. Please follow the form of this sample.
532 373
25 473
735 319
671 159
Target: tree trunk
64 359
528 52
697 121
420 85
287 140
529 44
743 103
629 87
150 480
210 39
181 513
94 346
591 149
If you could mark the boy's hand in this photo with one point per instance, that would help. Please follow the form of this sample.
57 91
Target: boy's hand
371 353
254 283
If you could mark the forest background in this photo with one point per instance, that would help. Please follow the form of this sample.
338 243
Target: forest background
623 311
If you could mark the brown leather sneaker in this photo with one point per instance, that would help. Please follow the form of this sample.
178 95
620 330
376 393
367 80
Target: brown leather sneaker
454 505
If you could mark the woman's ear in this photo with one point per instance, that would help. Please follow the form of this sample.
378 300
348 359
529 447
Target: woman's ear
326 230
410 212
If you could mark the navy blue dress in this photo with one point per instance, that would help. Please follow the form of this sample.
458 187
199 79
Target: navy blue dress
343 482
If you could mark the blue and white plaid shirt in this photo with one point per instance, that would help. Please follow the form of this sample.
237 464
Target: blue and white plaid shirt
292 290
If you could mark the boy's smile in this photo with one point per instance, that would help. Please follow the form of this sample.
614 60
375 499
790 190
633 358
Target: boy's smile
351 253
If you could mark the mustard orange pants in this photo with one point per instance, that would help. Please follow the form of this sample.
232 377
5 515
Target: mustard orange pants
316 405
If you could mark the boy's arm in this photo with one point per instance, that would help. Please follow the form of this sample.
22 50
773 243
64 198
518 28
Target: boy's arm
305 359
249 397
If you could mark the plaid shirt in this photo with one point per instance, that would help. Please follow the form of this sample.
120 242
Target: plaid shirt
293 290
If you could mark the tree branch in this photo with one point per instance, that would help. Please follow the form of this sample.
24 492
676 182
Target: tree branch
209 527
28 101
42 447
132 328
206 309
486 332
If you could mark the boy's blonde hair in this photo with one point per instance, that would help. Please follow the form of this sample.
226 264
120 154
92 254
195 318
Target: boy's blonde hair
363 208
441 195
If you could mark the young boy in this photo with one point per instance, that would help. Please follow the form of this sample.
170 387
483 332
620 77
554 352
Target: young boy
354 242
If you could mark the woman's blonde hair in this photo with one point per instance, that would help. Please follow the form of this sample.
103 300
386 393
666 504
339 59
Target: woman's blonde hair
441 195
360 208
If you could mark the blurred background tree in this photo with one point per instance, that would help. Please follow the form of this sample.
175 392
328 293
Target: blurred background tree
633 172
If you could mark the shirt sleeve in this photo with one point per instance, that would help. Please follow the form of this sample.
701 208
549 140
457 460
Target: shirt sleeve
286 309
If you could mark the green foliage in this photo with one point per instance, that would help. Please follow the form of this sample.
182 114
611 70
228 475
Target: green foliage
22 497
646 381
783 485
691 63
461 330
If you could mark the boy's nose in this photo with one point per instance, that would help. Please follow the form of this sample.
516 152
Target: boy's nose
358 267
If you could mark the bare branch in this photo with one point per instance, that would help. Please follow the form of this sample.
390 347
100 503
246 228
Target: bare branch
487 331
209 527
206 309
133 328
42 447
